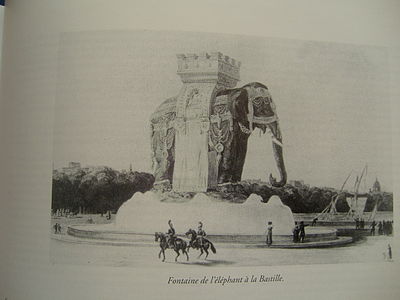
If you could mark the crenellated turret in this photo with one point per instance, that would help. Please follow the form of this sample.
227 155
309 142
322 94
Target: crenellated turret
213 67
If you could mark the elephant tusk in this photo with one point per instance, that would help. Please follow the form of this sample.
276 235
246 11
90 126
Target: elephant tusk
276 141
244 129
250 115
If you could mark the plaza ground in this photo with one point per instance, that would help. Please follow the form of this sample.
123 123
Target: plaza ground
369 249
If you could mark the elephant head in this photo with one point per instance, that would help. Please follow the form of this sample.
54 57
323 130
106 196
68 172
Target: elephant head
253 108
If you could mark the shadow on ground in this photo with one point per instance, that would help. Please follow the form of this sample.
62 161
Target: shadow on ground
208 262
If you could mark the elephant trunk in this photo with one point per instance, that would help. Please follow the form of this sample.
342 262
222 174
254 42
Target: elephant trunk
278 154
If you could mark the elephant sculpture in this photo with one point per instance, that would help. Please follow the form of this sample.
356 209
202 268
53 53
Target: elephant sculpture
234 114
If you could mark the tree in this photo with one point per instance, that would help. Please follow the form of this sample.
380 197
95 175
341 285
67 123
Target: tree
97 189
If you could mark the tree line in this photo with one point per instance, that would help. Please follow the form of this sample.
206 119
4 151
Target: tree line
302 198
97 189
100 189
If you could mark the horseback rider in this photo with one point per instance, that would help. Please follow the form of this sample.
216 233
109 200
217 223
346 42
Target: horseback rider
201 234
171 234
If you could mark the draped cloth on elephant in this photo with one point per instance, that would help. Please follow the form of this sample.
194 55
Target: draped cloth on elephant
162 142
191 161
191 138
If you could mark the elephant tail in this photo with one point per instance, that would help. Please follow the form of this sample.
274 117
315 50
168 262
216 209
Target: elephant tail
212 247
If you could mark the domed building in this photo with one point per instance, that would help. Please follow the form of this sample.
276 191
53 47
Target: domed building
376 188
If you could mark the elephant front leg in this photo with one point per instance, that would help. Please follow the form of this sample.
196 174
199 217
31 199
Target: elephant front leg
225 166
233 157
239 147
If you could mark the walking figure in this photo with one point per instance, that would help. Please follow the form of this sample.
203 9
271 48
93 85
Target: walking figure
357 223
314 222
380 228
373 227
296 232
302 232
389 252
269 234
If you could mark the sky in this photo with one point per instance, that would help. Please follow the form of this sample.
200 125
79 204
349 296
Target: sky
333 101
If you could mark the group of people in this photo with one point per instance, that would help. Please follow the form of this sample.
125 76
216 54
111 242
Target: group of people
61 212
57 228
299 232
171 234
360 223
384 227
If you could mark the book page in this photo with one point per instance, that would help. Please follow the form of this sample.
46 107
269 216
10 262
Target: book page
123 119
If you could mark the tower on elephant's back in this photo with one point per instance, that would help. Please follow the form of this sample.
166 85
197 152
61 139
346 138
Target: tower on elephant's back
183 122
199 137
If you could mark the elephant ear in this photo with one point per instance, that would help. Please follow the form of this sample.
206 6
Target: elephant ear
239 105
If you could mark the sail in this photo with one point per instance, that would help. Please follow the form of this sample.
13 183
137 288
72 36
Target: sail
331 210
373 212
357 205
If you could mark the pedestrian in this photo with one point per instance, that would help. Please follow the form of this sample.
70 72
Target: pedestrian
380 228
389 252
302 232
373 227
357 223
59 227
296 231
55 228
269 234
314 222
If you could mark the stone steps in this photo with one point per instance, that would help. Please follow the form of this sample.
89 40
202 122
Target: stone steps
90 241
339 241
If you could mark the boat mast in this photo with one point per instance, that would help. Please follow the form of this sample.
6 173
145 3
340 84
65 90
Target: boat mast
356 188
331 208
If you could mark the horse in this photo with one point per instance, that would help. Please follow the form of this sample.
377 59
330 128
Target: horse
179 244
195 243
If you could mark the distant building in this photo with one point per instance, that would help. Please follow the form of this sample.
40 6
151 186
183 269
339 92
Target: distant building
376 188
72 166
297 183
